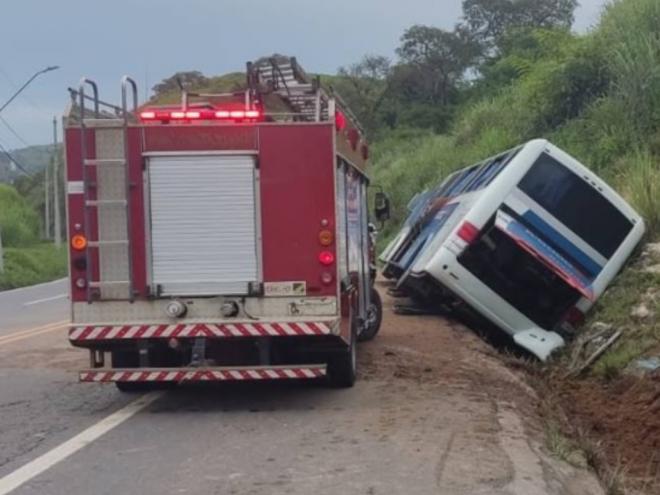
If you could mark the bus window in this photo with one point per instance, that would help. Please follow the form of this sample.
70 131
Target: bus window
474 181
464 179
494 168
576 204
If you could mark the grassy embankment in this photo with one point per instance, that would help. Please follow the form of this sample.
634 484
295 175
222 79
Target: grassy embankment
27 261
596 96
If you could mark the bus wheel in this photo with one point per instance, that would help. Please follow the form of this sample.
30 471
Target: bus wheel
374 318
342 366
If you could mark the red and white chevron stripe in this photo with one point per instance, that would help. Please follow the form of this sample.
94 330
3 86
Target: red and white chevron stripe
197 375
213 330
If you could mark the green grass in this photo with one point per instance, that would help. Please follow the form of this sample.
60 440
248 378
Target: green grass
19 223
615 306
32 265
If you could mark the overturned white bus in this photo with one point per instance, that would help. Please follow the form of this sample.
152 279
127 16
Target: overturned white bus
529 239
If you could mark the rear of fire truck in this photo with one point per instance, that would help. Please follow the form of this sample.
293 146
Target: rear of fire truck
225 238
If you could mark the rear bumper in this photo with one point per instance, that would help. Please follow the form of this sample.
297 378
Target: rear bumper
223 374
81 334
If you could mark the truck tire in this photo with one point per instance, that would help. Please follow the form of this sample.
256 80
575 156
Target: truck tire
133 387
342 366
374 318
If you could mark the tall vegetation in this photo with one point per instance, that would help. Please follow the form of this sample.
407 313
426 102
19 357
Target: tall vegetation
596 95
19 224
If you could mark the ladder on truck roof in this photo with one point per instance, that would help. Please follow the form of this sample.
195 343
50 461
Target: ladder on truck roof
284 76
107 193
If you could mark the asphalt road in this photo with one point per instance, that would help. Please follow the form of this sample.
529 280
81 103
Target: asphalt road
32 307
434 412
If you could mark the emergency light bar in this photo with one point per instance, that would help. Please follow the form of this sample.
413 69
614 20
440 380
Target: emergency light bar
200 115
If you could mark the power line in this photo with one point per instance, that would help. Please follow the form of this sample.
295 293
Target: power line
12 159
13 131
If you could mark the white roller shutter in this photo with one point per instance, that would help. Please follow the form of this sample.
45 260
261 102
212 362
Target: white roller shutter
203 224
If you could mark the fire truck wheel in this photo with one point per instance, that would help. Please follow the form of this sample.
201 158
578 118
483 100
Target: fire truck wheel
133 387
374 318
342 367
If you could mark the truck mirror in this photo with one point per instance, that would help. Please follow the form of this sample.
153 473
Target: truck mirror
382 206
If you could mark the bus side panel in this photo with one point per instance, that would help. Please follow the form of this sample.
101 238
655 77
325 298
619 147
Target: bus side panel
296 166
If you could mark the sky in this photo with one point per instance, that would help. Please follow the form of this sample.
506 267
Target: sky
152 39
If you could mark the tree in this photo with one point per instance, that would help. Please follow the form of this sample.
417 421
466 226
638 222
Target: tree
434 61
365 86
189 79
489 20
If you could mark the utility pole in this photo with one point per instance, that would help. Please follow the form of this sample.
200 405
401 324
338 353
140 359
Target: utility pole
56 189
47 201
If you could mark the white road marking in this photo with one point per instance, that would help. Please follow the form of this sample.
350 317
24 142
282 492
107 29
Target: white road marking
24 289
49 459
46 299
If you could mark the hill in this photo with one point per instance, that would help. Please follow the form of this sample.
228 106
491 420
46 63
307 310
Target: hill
33 158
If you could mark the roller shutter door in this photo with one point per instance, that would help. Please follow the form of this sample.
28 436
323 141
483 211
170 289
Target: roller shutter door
203 224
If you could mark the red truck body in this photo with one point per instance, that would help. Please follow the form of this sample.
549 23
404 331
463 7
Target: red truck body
207 246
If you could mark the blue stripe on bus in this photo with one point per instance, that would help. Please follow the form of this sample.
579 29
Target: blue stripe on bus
428 233
557 238
566 269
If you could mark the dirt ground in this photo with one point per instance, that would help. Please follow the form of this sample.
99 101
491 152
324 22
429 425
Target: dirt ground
619 420
498 444
623 417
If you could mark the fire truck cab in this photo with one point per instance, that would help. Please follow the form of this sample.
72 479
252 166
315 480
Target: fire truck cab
222 238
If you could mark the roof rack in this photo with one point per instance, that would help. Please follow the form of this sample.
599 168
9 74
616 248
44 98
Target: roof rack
308 99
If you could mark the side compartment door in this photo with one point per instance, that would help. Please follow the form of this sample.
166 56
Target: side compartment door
357 230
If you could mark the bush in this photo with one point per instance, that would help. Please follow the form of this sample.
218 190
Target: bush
18 222
32 265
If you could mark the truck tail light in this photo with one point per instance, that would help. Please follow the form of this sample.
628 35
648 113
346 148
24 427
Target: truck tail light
574 316
79 242
326 258
80 263
340 120
326 238
468 232
327 278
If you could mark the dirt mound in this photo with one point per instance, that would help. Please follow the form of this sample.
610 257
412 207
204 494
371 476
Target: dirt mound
624 416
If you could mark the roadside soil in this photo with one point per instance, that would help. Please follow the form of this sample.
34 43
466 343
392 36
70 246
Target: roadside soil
612 426
498 438
621 419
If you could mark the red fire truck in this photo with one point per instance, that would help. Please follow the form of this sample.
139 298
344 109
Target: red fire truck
222 238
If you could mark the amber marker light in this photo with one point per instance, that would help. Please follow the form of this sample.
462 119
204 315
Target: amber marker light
326 237
79 242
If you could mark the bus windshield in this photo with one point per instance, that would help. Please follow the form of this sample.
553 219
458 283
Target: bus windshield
576 204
